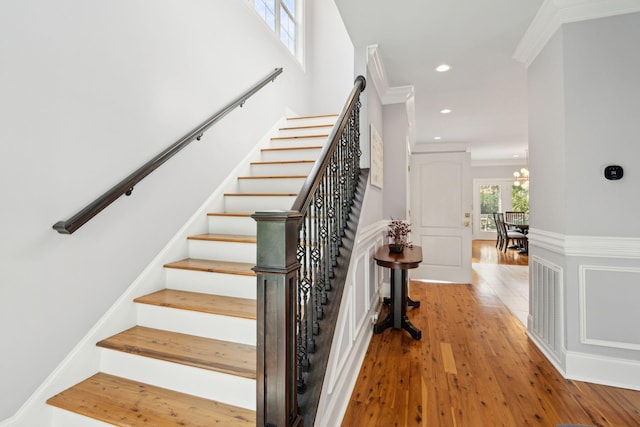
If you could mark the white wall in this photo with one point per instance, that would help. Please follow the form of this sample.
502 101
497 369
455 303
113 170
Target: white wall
584 104
602 92
395 161
547 194
90 91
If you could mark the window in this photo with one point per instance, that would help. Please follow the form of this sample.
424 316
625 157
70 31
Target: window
282 17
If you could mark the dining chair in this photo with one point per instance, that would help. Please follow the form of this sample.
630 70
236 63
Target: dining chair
499 232
517 237
514 216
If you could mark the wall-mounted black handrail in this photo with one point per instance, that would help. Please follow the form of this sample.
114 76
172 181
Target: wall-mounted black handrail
126 185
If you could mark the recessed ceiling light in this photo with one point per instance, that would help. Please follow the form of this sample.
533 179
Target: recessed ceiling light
516 155
445 111
437 138
443 67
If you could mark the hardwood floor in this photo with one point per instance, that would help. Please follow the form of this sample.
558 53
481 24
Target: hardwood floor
474 367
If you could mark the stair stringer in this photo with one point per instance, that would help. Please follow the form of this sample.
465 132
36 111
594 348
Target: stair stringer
360 303
84 358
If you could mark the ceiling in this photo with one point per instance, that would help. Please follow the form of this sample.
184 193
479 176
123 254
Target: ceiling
485 88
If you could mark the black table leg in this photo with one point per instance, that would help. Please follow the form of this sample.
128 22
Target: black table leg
397 317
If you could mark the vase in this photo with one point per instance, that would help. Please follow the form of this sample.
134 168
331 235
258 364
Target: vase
396 248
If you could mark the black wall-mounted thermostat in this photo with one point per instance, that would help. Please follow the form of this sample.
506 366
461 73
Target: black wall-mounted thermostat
613 172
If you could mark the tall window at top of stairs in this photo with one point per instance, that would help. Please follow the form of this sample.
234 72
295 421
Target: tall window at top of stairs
283 18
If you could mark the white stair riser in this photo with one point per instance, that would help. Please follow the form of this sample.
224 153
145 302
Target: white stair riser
225 328
222 251
257 203
231 285
270 185
291 142
311 121
319 129
230 389
64 418
281 169
232 225
293 154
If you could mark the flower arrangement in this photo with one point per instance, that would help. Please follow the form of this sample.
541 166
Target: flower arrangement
398 231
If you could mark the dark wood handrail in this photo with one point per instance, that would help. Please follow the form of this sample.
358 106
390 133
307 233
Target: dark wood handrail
313 180
126 185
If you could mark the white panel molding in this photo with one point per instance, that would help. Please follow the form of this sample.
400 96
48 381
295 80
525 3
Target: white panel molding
586 246
345 360
377 74
584 333
604 370
553 13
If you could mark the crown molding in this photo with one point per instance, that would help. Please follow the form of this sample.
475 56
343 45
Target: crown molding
377 73
553 13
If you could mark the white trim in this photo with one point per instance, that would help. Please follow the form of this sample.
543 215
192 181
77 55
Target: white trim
378 75
548 240
582 286
553 13
344 362
557 360
586 246
439 147
603 247
604 370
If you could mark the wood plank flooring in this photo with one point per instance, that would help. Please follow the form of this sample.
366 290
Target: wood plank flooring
474 367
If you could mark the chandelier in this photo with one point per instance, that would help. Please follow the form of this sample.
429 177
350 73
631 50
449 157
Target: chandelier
521 178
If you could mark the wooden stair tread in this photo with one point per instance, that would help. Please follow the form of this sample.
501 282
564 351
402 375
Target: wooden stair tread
238 214
260 194
123 402
213 266
205 353
234 238
305 147
273 177
281 138
283 162
204 303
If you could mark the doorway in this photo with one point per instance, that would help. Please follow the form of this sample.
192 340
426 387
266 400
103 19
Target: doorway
490 195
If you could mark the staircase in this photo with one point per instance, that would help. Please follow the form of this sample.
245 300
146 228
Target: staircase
191 357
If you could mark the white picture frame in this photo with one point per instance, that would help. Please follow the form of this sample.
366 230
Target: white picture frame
377 158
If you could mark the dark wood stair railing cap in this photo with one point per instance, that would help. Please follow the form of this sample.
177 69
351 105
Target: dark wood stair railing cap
126 185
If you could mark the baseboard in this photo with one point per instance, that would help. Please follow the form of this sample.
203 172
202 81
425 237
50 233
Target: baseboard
557 361
603 370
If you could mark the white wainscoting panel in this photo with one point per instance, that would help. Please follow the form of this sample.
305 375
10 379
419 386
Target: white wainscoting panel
546 307
609 314
354 326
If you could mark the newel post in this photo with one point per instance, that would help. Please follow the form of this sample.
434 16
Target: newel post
276 268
